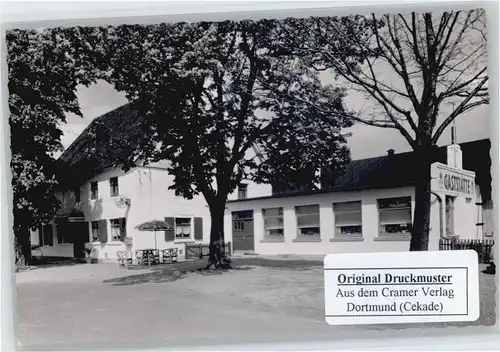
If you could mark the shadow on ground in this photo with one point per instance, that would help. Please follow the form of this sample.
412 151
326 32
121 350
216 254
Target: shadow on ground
278 263
160 274
50 262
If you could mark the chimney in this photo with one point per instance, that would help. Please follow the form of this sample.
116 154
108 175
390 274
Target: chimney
390 152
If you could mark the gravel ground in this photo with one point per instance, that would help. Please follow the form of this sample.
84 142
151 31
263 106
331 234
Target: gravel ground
82 304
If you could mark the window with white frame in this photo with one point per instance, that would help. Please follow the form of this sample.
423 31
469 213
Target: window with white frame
113 184
308 220
394 216
242 191
273 223
95 230
93 190
348 219
182 228
118 229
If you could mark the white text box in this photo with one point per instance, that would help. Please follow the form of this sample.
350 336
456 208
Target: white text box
414 287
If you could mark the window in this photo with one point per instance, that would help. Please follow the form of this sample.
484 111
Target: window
118 229
450 219
242 191
307 220
95 230
348 219
113 183
93 190
77 195
394 215
182 228
238 226
273 222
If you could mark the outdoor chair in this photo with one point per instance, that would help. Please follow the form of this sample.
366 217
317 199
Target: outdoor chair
124 258
169 255
173 255
156 256
147 256
138 256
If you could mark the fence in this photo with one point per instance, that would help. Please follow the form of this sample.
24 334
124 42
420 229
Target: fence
194 250
482 247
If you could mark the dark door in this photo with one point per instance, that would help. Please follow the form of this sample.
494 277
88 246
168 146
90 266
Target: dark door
243 238
81 231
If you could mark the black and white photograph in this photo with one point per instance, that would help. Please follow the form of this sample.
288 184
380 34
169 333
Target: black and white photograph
184 180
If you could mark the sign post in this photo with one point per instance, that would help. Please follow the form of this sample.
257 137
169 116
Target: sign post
453 181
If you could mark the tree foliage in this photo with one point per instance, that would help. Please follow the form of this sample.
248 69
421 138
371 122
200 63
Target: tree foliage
213 91
44 68
210 93
413 68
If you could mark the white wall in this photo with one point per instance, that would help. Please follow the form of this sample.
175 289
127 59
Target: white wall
254 190
150 199
370 242
370 225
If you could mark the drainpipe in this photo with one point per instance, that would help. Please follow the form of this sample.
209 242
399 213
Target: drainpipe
441 228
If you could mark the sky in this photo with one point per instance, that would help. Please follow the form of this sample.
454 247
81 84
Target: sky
365 142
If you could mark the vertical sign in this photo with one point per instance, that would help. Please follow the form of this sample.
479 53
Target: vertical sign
453 181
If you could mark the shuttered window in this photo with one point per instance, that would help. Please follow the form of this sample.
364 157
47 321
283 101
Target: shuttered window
94 194
118 229
182 228
273 222
308 220
394 216
348 219
113 183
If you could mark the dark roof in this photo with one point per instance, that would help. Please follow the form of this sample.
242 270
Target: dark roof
105 142
109 139
398 170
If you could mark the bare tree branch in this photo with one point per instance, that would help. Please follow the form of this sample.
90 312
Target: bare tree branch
404 74
443 57
456 89
460 109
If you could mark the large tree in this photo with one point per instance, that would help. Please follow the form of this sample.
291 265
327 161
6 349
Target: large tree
44 68
414 68
214 91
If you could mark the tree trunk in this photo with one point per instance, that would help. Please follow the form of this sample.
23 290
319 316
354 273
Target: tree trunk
421 218
218 257
22 248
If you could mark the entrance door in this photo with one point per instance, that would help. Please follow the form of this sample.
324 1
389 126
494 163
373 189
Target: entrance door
243 238
81 233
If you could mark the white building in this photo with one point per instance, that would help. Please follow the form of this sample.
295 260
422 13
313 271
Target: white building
369 208
366 209
109 203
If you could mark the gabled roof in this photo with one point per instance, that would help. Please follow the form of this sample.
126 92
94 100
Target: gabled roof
106 142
